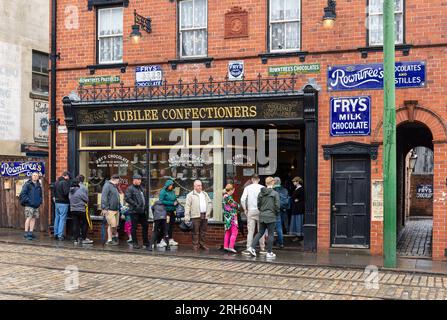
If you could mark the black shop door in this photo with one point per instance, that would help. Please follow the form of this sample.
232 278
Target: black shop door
350 222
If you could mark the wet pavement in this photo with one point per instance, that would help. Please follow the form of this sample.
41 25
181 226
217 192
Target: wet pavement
416 238
335 258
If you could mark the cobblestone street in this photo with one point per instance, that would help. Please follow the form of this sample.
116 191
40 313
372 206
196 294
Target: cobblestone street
32 272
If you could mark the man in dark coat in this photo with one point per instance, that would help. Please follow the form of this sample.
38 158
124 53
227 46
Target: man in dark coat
61 191
31 199
135 199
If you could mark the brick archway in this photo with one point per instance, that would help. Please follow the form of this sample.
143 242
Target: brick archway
412 112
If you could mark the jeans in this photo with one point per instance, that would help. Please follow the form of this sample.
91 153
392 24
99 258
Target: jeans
279 230
139 219
79 223
61 219
285 220
271 235
231 236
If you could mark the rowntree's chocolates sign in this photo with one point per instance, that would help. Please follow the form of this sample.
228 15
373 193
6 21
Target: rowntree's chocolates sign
371 76
21 169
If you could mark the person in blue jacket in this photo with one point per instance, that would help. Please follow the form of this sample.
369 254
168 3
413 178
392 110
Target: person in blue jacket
169 200
31 199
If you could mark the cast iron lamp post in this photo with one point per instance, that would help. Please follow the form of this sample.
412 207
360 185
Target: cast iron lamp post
144 23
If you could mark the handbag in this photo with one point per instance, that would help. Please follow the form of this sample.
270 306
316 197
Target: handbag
186 226
180 211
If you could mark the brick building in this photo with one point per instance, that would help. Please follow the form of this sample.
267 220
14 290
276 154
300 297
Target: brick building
192 43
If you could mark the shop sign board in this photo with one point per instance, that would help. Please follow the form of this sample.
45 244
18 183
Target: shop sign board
424 191
41 121
350 116
294 69
90 81
377 200
236 70
21 169
146 76
371 76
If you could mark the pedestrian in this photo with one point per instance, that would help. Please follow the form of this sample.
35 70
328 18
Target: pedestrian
284 207
61 191
110 205
84 222
249 202
296 223
31 198
125 215
137 204
198 209
160 227
169 199
230 213
269 209
78 197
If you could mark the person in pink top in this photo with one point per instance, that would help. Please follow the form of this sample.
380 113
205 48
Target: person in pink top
230 212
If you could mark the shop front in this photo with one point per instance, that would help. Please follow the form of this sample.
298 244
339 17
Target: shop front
217 140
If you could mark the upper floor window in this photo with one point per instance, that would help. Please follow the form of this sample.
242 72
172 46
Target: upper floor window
193 28
40 73
375 22
285 25
110 35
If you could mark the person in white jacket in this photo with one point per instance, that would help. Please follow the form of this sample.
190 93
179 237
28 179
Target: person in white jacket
249 202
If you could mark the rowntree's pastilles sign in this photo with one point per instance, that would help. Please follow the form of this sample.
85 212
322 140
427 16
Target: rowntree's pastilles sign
350 116
371 76
21 169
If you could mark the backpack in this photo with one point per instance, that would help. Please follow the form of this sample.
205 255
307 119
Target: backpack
284 199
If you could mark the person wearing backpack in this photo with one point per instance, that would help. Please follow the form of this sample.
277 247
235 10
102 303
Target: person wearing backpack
160 226
31 199
284 206
78 197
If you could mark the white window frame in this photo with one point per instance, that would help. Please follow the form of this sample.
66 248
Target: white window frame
109 36
396 12
181 30
271 23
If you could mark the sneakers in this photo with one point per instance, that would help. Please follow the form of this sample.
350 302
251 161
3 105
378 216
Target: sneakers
129 241
231 250
111 243
162 244
252 251
172 242
136 246
28 236
77 242
262 252
270 255
246 252
87 241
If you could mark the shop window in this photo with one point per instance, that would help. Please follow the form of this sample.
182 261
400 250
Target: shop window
211 137
95 140
40 73
375 22
110 35
99 166
130 139
167 138
285 25
193 28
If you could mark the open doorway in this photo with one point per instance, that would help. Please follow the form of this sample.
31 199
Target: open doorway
415 190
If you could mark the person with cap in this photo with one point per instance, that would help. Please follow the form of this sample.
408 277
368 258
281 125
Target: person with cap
110 205
137 203
296 223
62 203
169 200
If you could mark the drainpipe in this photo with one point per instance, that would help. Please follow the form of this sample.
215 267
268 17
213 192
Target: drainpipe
53 121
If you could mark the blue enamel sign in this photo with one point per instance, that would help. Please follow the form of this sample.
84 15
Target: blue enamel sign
148 76
371 76
350 116
21 169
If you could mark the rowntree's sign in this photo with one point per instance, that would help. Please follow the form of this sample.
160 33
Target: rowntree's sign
21 169
371 76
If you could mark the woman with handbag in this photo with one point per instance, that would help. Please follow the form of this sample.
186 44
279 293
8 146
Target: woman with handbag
230 213
169 200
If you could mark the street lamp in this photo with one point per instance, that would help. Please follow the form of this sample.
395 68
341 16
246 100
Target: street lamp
412 160
140 21
329 15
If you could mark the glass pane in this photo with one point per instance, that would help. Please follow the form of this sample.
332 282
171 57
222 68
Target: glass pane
167 137
96 139
200 42
99 166
40 83
187 43
278 36
40 62
292 10
277 10
398 5
399 24
105 50
130 138
104 22
292 35
205 137
375 30
375 6
117 21
200 13
186 18
117 48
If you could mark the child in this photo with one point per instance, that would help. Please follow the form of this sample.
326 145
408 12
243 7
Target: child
128 222
230 208
160 226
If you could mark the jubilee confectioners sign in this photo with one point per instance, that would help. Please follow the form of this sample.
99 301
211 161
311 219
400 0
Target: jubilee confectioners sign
371 76
252 111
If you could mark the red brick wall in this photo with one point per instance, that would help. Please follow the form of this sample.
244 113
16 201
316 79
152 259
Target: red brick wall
420 206
426 29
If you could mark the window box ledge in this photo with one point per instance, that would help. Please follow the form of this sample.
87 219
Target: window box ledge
99 3
39 96
121 66
206 61
405 48
269 55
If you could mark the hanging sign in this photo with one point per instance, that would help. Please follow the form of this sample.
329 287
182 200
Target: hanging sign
89 81
148 76
41 122
235 70
294 69
371 76
21 169
350 116
424 191
377 200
